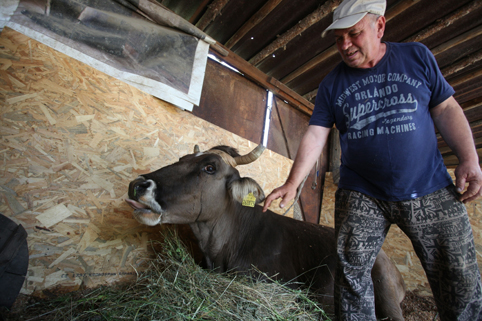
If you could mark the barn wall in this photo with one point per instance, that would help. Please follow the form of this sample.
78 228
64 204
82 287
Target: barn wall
398 246
71 140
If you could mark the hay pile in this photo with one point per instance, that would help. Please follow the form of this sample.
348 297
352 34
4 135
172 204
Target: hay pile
175 288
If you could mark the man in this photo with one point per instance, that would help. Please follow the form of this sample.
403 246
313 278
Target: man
384 99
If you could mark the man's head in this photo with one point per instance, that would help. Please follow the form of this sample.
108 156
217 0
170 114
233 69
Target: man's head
359 26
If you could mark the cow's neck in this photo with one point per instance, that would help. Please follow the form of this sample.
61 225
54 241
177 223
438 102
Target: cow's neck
214 236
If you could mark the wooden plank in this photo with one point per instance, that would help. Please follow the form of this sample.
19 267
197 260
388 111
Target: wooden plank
232 102
260 78
335 155
293 125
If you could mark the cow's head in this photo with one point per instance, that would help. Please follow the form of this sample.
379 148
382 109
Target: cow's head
198 187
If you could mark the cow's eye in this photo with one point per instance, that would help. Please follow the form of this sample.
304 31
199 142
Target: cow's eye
210 169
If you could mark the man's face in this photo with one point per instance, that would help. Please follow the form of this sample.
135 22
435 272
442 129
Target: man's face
359 45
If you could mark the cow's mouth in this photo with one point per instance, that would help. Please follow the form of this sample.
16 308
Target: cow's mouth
144 214
141 208
142 196
138 206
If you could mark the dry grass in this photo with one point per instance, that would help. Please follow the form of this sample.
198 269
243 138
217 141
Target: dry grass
175 288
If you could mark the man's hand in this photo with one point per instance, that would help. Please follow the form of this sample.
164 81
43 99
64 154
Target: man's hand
471 174
286 192
450 120
310 149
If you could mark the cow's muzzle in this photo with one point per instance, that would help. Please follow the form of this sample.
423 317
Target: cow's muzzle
142 200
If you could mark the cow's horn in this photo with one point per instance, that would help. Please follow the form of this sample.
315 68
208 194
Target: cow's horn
196 149
251 157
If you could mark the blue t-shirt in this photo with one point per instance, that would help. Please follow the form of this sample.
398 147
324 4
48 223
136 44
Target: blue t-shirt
387 136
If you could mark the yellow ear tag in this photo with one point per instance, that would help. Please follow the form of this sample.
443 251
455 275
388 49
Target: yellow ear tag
249 200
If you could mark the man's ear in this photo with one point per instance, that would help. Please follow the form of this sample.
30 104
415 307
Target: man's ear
380 25
242 187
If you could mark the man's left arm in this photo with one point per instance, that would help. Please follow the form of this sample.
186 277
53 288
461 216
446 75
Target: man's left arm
450 120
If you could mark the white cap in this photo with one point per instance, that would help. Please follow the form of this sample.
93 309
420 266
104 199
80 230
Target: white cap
349 12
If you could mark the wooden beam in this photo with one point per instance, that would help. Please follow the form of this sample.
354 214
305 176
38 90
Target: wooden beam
467 77
467 62
285 90
472 106
399 8
474 102
335 154
213 11
198 12
325 55
469 35
252 22
317 15
440 24
267 82
312 94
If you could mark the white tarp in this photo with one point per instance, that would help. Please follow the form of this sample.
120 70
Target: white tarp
136 41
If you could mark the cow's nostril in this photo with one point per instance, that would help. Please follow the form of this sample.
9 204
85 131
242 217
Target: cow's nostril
140 188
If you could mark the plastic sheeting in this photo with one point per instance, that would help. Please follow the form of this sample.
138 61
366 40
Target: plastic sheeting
137 41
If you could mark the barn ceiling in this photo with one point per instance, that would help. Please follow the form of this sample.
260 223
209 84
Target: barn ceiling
282 39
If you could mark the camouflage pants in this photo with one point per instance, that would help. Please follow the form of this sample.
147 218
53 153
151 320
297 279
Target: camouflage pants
441 235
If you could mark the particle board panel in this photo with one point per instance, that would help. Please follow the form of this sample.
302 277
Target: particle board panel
71 140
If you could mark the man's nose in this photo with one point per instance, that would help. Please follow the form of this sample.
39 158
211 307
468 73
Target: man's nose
345 44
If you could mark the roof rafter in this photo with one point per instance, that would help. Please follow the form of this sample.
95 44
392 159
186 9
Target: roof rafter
445 22
198 11
463 64
214 9
320 13
469 35
252 22
465 78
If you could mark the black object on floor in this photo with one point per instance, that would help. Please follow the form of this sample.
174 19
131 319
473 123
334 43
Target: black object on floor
13 260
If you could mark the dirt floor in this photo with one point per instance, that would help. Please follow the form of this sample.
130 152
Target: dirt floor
419 308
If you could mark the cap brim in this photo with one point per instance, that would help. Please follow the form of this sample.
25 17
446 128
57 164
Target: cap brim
345 22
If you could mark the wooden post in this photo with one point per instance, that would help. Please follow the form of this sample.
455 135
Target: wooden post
335 155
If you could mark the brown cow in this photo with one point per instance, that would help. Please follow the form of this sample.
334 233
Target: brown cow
205 191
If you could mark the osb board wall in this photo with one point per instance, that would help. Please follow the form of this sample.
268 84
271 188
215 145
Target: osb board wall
397 244
71 140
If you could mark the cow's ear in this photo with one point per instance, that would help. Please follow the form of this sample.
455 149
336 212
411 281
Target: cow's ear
241 189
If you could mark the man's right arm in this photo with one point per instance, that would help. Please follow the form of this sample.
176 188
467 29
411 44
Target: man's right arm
310 149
